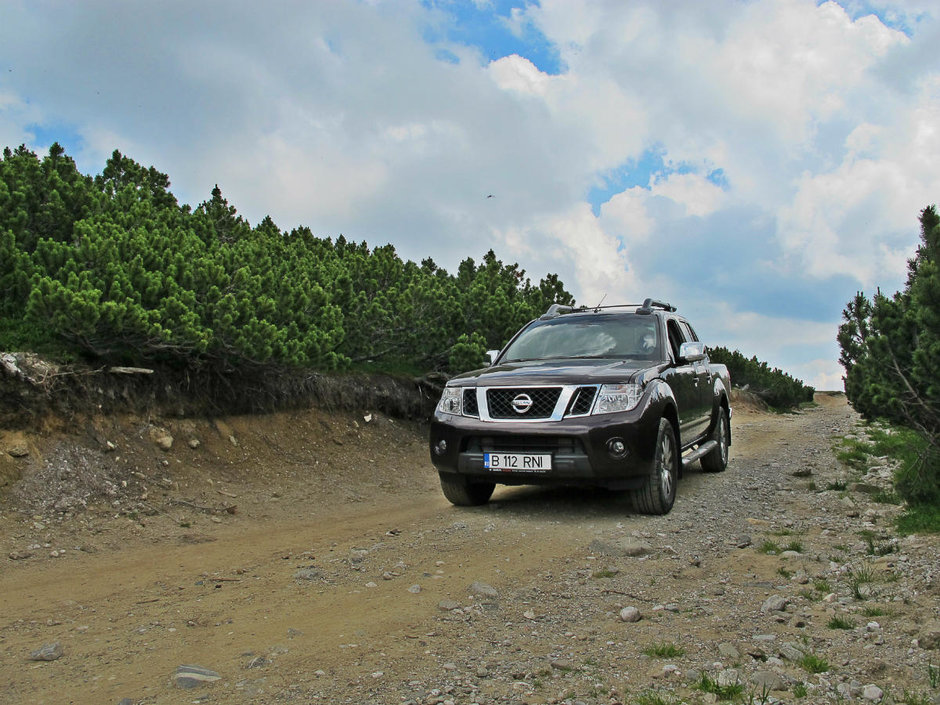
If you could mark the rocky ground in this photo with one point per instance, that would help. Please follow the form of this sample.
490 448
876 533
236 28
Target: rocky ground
309 557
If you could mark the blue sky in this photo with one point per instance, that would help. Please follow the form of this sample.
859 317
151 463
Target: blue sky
755 162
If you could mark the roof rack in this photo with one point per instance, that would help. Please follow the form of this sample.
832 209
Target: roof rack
650 304
555 310
644 309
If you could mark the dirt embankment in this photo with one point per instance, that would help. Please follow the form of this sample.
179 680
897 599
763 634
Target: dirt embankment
308 556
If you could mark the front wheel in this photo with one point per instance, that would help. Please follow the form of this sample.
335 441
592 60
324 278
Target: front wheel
463 493
717 460
658 493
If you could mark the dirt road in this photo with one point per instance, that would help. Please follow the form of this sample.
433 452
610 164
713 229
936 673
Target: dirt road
311 558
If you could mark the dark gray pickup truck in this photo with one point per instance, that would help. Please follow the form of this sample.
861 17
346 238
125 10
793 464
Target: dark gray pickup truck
621 397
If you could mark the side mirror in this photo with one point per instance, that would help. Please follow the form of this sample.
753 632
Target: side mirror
692 352
491 356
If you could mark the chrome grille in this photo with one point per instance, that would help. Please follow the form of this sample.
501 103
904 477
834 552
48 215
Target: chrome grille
499 401
470 407
581 401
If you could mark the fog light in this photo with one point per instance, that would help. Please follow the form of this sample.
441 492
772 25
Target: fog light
617 448
440 447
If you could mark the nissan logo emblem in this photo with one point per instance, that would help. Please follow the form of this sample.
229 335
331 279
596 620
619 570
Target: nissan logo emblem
521 403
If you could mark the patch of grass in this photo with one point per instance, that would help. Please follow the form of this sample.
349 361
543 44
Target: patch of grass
886 497
784 573
874 611
915 460
880 549
707 684
811 663
799 691
841 623
854 453
604 573
933 675
863 575
823 586
768 547
795 546
915 698
838 485
664 650
919 519
761 698
811 486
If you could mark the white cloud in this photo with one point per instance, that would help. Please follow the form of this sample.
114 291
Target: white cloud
518 74
823 374
625 215
857 218
696 194
592 262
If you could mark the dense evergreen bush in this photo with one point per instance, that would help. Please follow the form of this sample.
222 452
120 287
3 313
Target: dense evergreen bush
113 268
891 354
777 388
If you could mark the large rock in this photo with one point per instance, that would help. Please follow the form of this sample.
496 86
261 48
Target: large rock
482 589
768 680
161 437
47 652
189 677
929 636
630 614
774 603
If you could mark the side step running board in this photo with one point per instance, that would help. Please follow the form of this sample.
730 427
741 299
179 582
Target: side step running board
696 454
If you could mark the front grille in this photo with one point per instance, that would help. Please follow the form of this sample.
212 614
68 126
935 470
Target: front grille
470 402
581 401
543 400
525 444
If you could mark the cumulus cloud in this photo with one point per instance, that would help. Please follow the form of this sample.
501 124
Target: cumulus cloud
519 75
696 194
625 215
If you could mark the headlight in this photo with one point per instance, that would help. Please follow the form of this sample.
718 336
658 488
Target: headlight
617 397
451 401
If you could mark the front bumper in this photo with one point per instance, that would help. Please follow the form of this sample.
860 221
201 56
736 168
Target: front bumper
578 446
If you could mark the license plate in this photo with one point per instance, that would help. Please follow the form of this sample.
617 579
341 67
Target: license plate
517 462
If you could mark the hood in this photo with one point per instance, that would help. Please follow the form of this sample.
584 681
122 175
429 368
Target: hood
555 372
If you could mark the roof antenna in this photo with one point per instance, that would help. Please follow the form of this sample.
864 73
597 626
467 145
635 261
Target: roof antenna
598 307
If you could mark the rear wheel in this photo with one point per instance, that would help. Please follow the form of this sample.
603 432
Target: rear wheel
463 493
658 493
717 460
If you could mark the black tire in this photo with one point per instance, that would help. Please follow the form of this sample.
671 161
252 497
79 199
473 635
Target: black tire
463 493
717 460
658 493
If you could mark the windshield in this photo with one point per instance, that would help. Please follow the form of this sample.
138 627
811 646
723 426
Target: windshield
600 336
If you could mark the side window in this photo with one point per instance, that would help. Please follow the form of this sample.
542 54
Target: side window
689 332
675 337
